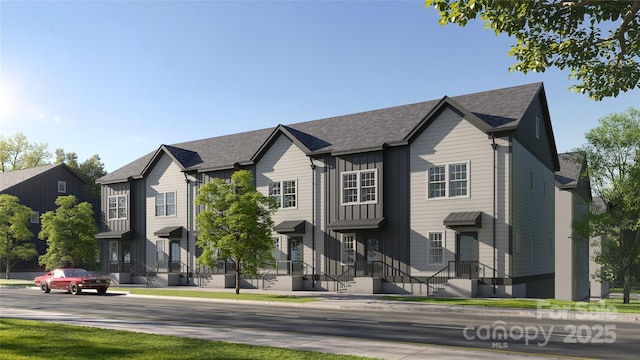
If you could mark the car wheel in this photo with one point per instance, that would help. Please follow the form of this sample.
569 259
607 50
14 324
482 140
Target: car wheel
44 287
102 291
74 289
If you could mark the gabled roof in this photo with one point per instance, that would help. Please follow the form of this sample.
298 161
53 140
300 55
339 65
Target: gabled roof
571 167
13 178
495 110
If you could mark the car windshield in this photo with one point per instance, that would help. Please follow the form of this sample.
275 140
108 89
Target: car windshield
76 273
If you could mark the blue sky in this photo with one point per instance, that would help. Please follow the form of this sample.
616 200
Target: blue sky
120 78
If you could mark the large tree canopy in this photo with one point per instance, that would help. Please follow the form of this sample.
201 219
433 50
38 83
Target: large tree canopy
235 225
613 155
14 232
598 41
70 234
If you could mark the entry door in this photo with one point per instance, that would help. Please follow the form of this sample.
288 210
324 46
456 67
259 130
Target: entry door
295 255
467 255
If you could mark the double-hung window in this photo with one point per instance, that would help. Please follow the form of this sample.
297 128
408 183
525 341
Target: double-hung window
285 192
450 180
436 249
117 207
359 187
166 204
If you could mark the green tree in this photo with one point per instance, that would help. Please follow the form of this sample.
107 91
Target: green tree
70 234
598 41
90 170
235 225
613 155
14 232
16 153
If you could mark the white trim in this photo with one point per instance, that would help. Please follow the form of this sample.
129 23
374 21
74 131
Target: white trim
281 194
442 247
62 186
343 249
165 204
447 180
126 210
359 187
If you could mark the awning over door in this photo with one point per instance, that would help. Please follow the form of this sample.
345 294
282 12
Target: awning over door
464 219
291 227
169 232
356 224
114 235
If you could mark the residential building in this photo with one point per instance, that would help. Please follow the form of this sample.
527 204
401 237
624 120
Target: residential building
573 200
38 188
450 197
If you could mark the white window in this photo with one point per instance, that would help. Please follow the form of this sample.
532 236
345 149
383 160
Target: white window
359 187
117 207
166 204
62 186
35 217
348 249
285 192
458 180
436 248
450 180
161 255
437 182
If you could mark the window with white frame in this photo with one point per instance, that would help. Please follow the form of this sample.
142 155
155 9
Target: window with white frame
436 248
348 249
117 207
359 187
34 218
450 180
62 186
166 204
285 192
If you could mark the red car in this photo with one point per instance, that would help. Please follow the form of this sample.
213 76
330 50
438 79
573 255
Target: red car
73 281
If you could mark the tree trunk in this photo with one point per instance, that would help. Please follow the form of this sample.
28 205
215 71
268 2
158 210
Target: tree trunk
626 283
237 281
8 268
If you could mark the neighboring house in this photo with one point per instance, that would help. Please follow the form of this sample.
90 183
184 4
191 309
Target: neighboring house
573 199
38 188
446 197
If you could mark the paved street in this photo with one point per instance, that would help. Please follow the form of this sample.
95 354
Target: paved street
163 323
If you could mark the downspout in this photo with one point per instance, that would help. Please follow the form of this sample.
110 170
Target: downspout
313 223
186 179
495 152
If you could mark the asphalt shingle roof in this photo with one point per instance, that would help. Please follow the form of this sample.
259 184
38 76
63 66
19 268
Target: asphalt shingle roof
370 129
12 178
570 168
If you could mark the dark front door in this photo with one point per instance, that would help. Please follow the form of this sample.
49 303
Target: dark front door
466 265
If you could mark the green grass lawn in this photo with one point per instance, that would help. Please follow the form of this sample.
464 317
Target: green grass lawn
28 339
609 305
216 295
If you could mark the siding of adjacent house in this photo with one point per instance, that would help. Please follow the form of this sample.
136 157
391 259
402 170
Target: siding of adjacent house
39 192
533 219
452 139
166 176
285 161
